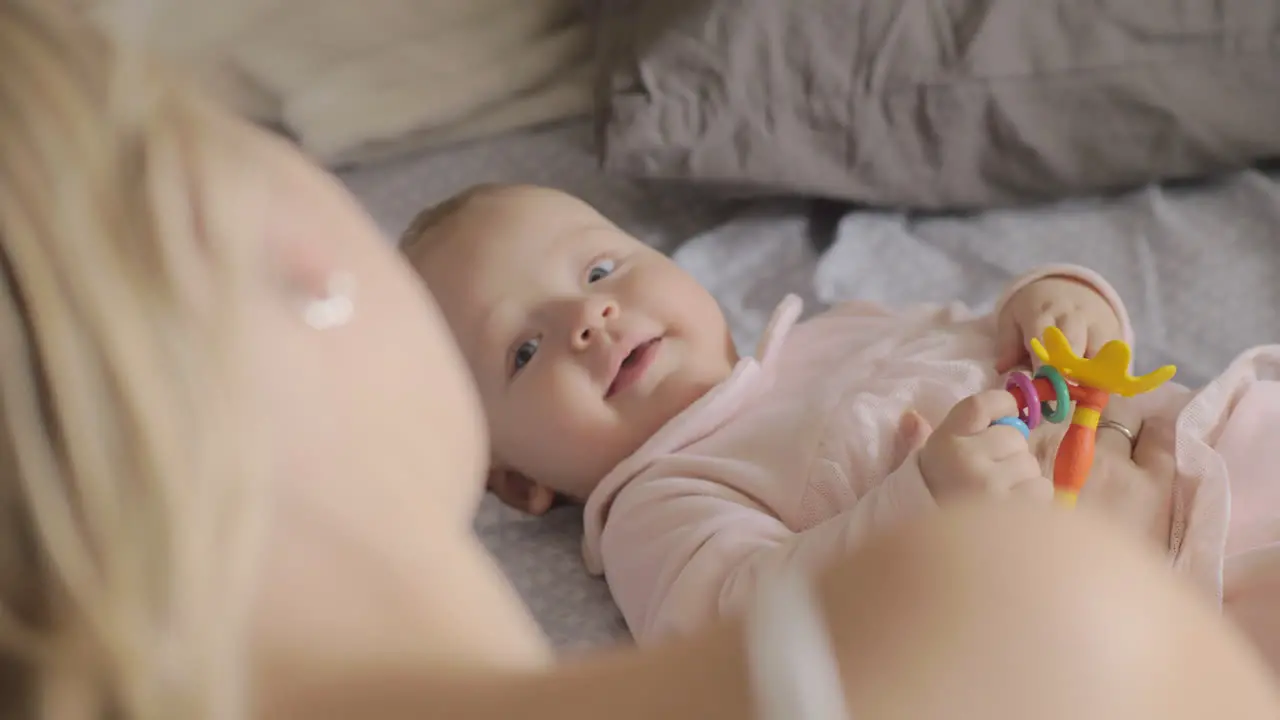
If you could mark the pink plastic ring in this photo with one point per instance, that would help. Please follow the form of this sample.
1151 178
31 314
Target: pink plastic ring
1030 413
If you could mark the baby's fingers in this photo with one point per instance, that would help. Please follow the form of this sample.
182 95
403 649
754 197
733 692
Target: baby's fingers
1002 442
976 413
1035 489
1036 330
1073 328
1076 330
1013 472
1100 335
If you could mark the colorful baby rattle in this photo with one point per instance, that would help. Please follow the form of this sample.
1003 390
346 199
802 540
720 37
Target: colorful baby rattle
1090 383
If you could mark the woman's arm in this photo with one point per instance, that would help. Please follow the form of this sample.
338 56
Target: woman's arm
696 678
992 612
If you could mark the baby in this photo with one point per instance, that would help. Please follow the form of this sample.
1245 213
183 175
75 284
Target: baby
608 377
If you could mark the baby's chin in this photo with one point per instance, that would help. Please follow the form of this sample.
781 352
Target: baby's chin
587 482
581 479
631 425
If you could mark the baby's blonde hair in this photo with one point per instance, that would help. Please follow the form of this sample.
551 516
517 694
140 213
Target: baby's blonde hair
124 479
417 236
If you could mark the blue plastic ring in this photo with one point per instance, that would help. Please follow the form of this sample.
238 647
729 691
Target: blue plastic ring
1015 422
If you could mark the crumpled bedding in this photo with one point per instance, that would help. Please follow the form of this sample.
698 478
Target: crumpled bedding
925 104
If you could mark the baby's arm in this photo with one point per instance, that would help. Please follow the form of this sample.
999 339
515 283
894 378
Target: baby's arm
680 552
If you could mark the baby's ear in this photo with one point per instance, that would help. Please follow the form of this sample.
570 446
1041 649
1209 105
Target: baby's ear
517 491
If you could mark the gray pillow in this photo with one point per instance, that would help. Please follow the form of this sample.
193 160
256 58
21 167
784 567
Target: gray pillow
936 104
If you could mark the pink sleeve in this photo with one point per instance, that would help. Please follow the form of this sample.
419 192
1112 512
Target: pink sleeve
679 553
1075 272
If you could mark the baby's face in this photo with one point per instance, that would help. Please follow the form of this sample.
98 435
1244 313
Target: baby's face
583 340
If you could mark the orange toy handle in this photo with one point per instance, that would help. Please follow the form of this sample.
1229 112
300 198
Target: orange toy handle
1075 458
1075 453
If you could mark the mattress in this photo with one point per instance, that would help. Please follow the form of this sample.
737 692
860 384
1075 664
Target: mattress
1197 266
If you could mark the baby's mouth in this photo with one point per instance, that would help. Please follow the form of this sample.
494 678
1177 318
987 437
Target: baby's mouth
633 366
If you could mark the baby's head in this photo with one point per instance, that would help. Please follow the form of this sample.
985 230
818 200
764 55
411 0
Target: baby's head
583 340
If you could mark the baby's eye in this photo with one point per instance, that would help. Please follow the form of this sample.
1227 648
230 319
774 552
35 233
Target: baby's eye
523 355
600 270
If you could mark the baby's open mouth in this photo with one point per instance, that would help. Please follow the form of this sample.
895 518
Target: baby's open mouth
633 366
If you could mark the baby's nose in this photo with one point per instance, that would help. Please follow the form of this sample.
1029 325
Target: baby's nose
595 313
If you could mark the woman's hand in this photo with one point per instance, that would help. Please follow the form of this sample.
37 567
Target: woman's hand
1131 482
1077 309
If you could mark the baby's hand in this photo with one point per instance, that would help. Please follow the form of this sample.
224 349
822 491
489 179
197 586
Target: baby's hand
966 455
1082 314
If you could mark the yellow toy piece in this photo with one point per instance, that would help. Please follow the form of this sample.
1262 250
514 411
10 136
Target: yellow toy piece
1108 370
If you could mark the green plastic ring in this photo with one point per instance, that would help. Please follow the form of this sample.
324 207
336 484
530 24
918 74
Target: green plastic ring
1061 409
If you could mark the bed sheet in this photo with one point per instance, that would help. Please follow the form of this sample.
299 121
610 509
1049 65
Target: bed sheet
1198 267
559 155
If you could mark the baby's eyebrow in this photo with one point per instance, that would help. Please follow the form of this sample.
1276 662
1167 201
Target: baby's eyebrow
492 328
580 238
489 325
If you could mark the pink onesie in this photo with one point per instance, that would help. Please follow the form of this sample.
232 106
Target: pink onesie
798 456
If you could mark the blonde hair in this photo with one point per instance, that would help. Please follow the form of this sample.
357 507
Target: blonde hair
124 481
414 237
